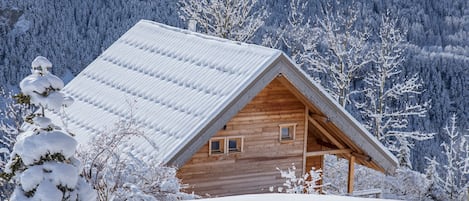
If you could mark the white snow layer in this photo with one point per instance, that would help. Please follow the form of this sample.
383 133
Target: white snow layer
41 61
32 147
290 197
42 88
42 122
179 81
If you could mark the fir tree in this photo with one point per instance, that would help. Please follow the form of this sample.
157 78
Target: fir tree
42 164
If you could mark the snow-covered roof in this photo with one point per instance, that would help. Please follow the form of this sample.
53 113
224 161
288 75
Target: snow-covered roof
181 86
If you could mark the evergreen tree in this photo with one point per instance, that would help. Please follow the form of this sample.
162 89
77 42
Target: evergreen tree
42 164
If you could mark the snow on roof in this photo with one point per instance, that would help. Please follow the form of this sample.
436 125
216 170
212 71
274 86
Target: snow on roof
178 85
178 80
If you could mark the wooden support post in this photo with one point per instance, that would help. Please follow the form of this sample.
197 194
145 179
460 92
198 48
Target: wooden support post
351 172
305 141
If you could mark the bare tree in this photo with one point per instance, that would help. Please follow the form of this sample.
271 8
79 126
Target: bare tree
231 19
341 53
117 174
455 181
384 86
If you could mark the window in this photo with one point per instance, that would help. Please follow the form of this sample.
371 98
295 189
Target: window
225 145
217 146
235 144
287 132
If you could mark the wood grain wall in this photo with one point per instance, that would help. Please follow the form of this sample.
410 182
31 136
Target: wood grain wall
253 170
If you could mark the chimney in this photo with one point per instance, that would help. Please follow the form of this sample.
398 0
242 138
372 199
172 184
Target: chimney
192 26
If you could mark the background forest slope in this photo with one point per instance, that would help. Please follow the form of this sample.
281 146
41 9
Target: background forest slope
73 33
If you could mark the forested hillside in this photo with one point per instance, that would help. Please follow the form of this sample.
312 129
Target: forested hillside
72 33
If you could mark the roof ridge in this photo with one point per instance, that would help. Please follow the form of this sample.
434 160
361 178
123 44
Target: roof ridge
204 36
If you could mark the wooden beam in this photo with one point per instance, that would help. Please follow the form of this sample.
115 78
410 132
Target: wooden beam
351 172
326 133
326 144
320 117
334 151
362 156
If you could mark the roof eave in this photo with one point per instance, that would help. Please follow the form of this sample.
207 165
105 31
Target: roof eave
339 117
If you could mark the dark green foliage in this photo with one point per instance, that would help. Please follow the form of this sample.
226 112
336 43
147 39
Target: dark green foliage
22 99
52 157
16 165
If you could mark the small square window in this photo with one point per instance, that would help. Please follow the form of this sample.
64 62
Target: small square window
217 146
235 144
287 132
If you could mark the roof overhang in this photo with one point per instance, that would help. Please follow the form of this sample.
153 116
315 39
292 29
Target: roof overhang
339 120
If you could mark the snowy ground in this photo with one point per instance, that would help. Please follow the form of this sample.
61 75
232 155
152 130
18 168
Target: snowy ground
290 197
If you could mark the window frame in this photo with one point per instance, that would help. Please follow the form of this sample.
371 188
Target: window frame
222 146
288 126
226 147
239 139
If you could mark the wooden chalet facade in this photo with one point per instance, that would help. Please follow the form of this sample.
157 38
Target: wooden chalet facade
226 113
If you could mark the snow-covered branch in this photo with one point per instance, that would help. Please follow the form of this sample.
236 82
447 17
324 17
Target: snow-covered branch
117 174
309 183
384 86
232 19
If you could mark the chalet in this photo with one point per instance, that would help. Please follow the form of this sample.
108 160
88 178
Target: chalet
225 113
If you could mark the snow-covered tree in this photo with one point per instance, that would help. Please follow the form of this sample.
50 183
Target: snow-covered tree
13 115
436 182
406 184
384 86
118 175
42 164
297 34
342 51
232 19
455 181
309 183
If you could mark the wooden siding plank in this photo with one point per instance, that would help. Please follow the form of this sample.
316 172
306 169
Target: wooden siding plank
254 169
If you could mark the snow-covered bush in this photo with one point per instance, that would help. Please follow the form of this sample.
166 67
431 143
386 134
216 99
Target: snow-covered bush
309 183
336 174
118 175
408 185
42 164
405 184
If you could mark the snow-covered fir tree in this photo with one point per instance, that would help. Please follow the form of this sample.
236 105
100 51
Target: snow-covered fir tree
432 174
10 127
42 163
